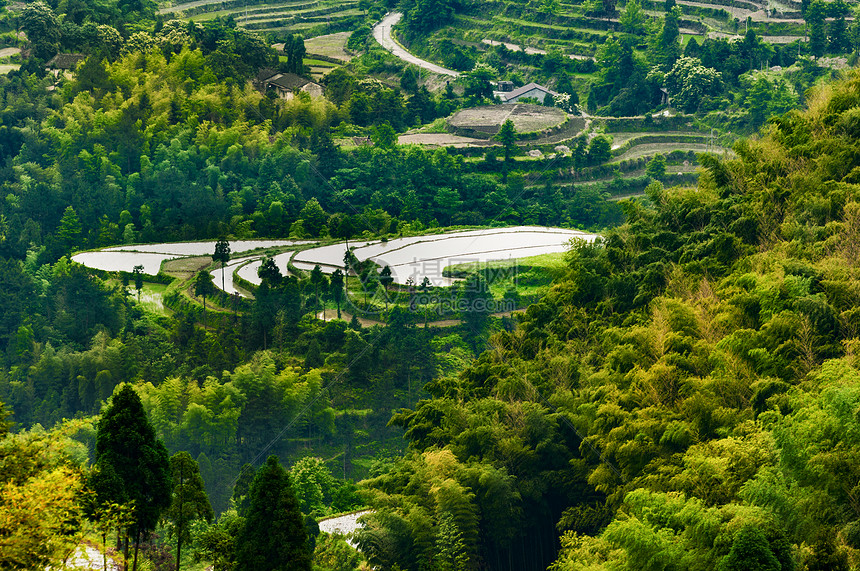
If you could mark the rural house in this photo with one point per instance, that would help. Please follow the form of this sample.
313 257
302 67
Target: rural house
285 84
63 63
534 90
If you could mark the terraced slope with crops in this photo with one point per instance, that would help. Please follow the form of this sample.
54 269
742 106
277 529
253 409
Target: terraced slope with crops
310 17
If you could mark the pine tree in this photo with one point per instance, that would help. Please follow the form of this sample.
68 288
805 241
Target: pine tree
273 537
69 230
337 288
189 501
386 279
127 443
242 488
222 254
507 136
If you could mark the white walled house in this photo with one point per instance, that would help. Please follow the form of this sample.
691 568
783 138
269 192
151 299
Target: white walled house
535 90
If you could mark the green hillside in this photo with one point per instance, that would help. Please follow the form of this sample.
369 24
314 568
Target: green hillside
684 398
680 394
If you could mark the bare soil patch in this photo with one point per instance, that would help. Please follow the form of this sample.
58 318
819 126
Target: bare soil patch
331 45
488 119
184 268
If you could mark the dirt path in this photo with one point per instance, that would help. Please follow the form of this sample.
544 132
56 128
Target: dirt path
649 149
767 39
443 140
382 34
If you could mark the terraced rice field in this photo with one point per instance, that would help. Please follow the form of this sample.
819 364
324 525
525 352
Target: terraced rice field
269 16
651 149
151 256
414 257
227 273
418 257
330 45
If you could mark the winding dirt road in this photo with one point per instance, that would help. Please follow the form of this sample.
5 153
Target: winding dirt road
382 34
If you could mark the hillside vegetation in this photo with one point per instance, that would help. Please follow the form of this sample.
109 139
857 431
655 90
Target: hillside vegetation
684 398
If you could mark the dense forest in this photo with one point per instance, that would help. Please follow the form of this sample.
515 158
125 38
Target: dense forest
682 396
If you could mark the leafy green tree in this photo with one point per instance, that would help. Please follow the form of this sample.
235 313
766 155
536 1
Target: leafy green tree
689 82
358 38
313 217
478 81
765 99
222 255
273 536
314 485
294 48
203 287
40 24
189 501
385 277
92 77
242 488
137 271
750 550
666 46
334 553
656 167
633 20
17 293
384 136
409 79
40 496
693 49
320 283
452 552
218 542
422 16
599 150
127 448
476 304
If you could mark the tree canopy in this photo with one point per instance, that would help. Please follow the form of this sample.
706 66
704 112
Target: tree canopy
273 535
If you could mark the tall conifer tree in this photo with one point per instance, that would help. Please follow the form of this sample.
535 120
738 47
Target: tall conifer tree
189 501
126 442
273 537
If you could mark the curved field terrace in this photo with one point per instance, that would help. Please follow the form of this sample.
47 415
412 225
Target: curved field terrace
411 259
